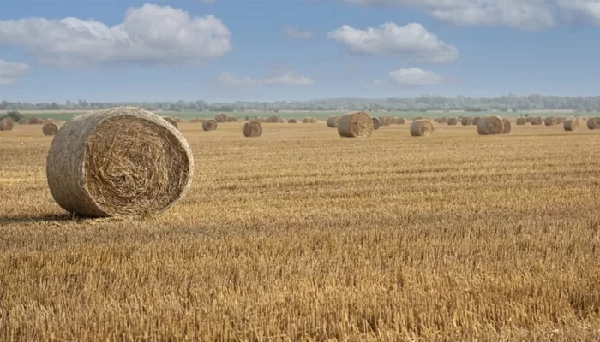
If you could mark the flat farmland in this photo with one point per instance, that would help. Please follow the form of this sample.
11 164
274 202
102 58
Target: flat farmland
303 235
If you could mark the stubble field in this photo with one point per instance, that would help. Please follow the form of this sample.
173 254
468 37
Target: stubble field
303 235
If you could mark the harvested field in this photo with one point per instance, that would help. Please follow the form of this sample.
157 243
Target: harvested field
304 235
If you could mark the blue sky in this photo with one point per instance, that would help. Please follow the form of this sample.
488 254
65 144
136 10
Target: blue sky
253 50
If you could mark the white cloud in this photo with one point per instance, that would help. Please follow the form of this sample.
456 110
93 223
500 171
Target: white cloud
288 78
411 42
148 34
10 72
413 77
296 33
586 9
529 15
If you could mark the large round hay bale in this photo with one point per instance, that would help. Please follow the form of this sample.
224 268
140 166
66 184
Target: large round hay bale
376 123
252 129
452 122
118 161
292 121
399 121
310 120
476 120
550 121
333 121
528 118
50 128
571 125
507 126
221 117
6 124
209 125
490 125
385 120
355 125
593 123
536 120
171 121
466 121
421 128
521 121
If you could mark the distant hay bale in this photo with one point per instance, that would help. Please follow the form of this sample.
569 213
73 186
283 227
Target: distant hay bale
50 128
252 129
385 120
490 125
442 120
536 120
209 125
309 120
593 123
355 125
333 121
231 118
118 161
376 123
466 121
399 121
507 126
195 120
421 128
452 122
416 118
6 124
550 121
221 117
476 120
571 125
282 120
560 120
292 121
35 121
521 121
273 119
171 121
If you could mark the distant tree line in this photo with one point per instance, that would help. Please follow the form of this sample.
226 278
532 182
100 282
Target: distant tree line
422 103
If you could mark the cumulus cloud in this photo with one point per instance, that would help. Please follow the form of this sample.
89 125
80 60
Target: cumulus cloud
148 34
296 33
529 15
411 42
11 72
288 78
586 9
413 77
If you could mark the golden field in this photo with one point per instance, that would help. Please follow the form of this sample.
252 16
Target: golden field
303 235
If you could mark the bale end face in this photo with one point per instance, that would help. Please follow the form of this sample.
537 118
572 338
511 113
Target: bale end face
118 161
209 125
355 125
593 123
421 128
50 129
6 124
